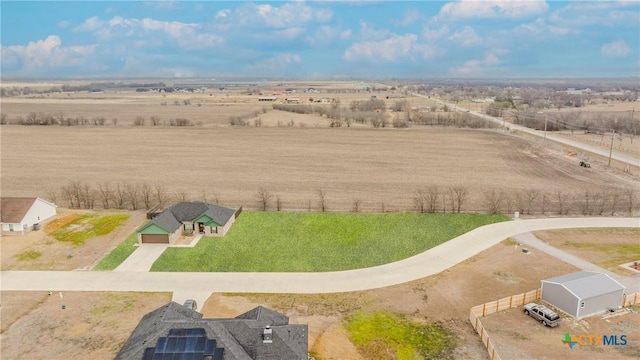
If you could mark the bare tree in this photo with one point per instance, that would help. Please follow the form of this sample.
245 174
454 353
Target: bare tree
322 199
133 194
586 208
146 192
562 202
615 197
105 192
3 119
155 120
182 195
493 201
460 195
263 195
356 205
139 121
278 203
600 201
419 201
544 203
120 196
631 195
431 198
161 194
52 194
531 196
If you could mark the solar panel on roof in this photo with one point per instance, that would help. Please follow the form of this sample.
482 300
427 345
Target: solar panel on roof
209 347
190 345
161 345
200 344
148 354
195 332
171 345
180 345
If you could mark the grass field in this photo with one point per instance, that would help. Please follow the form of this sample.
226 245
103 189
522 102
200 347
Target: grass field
298 242
381 334
119 254
86 226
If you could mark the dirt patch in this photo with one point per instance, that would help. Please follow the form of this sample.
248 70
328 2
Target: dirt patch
57 255
381 167
92 326
607 248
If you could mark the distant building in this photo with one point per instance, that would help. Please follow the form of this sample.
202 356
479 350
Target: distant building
177 332
294 100
267 98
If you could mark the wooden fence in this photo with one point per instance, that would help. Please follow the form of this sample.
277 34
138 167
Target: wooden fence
630 299
491 307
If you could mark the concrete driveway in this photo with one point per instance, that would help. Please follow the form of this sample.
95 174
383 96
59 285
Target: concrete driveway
419 266
142 258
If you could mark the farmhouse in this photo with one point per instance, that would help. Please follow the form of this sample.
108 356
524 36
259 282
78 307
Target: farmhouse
187 217
23 214
174 331
583 293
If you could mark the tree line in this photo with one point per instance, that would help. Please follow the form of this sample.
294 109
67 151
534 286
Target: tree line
45 119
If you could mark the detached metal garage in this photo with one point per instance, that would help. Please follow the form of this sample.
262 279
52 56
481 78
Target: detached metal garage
583 293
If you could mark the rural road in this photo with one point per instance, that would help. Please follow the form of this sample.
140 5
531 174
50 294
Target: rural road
419 266
629 160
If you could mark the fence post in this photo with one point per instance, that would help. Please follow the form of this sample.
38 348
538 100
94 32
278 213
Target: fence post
510 302
483 308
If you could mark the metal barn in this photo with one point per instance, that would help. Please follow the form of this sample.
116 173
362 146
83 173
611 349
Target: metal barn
583 293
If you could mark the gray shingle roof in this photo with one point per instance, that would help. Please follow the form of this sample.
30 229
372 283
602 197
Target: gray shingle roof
171 218
587 284
240 337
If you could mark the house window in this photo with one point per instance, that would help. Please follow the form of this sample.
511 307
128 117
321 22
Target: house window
582 304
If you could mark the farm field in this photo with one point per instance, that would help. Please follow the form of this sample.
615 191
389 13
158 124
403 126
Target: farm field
382 168
309 242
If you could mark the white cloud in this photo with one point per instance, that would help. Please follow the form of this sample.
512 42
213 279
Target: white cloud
467 37
287 15
91 24
512 9
435 34
49 53
344 35
488 65
144 32
410 16
223 13
615 49
368 32
395 48
599 13
63 24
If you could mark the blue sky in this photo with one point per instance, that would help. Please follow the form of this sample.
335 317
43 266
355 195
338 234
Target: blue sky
320 39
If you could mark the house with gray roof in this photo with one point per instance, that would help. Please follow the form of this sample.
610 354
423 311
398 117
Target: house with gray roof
187 217
583 293
177 332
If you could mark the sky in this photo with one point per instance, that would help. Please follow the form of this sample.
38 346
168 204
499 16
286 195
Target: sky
320 39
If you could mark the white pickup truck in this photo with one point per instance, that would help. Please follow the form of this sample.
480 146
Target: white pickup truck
543 314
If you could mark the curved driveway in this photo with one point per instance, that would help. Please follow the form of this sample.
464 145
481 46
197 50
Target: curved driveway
419 266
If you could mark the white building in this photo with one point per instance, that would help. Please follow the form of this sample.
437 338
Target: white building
20 214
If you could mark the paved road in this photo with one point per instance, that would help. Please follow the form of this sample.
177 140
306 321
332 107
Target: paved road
632 283
629 160
419 266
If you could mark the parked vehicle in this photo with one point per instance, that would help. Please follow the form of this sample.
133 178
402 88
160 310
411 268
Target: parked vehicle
543 314
585 163
191 304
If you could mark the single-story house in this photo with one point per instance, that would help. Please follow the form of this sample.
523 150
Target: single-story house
174 331
187 217
583 293
22 214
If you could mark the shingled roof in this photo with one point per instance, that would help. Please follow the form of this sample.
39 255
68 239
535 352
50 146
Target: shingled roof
13 209
240 338
171 218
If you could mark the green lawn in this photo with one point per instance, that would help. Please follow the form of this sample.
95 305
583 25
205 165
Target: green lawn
119 254
297 242
385 335
88 226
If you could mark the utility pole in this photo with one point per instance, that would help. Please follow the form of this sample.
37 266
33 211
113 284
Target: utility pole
611 147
